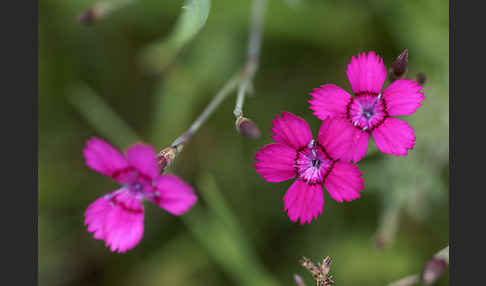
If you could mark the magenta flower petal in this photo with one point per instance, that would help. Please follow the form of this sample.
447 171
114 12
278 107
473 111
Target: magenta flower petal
143 158
366 73
394 136
304 201
291 130
342 140
403 97
103 158
344 182
117 219
329 100
276 162
174 195
95 216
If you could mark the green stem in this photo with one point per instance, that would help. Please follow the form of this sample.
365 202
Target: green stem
212 106
253 56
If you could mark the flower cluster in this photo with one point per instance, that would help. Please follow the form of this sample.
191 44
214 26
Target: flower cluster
328 161
343 137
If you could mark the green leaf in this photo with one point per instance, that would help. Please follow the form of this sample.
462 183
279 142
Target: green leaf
157 56
102 117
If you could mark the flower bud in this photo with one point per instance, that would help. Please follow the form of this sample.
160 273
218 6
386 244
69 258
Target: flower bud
89 16
247 127
421 78
381 241
399 65
433 270
166 156
299 280
326 265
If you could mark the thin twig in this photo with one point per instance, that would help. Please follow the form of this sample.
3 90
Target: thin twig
388 225
406 281
253 56
222 94
167 156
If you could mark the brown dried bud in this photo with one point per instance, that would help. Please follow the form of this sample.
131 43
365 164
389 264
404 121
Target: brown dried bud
89 16
421 78
399 65
166 156
381 241
307 263
326 265
320 271
433 270
247 128
328 281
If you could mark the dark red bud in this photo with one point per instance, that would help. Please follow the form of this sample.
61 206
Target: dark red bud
433 270
247 128
421 78
381 241
399 65
88 17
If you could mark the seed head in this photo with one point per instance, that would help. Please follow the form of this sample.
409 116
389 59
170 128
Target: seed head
319 272
326 265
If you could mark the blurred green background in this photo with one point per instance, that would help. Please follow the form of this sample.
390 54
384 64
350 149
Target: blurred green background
92 83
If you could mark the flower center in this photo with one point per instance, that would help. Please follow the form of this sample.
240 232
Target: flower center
140 185
367 111
137 187
312 164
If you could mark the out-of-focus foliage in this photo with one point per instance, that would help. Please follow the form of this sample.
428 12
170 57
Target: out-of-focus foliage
194 15
91 83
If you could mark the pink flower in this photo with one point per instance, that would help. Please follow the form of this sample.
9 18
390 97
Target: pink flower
296 154
117 217
370 111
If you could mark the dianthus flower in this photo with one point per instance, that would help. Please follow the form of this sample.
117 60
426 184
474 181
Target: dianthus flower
296 154
369 111
117 217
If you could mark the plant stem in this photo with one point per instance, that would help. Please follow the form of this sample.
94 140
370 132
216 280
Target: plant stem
388 224
242 79
220 96
406 281
253 55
